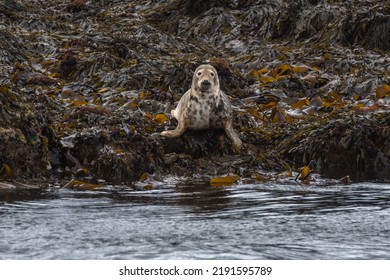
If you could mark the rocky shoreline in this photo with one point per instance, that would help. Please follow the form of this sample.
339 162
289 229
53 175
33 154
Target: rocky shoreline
86 87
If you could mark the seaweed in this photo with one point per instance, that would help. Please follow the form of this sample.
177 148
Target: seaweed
87 86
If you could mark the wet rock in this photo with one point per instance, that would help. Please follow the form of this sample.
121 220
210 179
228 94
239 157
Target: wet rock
14 185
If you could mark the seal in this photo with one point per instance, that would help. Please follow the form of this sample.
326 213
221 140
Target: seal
204 106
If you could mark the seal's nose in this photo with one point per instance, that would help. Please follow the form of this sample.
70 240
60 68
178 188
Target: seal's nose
206 83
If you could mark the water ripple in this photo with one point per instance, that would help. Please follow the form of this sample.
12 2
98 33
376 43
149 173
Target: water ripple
267 221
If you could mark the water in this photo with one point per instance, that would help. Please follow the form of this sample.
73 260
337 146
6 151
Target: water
266 221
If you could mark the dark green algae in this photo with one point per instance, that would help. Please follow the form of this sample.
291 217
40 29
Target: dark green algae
82 83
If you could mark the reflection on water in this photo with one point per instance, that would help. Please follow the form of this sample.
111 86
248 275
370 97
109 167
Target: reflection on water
268 221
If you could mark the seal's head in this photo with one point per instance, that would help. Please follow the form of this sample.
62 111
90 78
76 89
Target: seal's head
205 80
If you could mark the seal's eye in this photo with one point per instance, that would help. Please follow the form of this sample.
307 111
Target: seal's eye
212 74
199 73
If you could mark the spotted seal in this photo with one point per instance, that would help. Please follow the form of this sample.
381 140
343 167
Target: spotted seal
204 106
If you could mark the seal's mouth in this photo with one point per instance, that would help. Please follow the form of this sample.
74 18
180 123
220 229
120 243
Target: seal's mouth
205 85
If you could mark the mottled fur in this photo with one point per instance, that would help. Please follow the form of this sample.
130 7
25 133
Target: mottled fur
204 106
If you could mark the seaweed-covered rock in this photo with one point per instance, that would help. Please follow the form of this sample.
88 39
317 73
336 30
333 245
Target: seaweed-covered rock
23 147
355 146
87 86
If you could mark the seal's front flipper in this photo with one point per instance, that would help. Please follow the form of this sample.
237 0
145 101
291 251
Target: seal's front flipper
180 129
232 134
